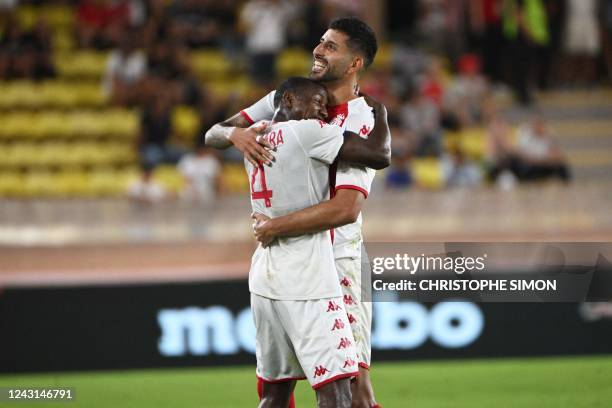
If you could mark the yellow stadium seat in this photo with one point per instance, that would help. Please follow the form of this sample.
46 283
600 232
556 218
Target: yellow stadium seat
81 64
11 184
211 64
106 182
72 184
473 143
170 178
293 61
234 178
239 87
40 184
27 15
63 40
383 57
186 123
427 173
59 17
121 123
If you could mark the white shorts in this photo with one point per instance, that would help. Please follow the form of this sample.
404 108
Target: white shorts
303 339
359 312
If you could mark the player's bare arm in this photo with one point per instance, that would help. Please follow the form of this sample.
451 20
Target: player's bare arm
375 151
343 209
235 132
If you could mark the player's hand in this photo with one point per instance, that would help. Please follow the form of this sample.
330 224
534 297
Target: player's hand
262 230
254 148
374 104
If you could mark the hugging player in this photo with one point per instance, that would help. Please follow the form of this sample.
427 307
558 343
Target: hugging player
346 49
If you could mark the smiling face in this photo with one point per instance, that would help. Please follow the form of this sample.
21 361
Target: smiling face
308 105
332 58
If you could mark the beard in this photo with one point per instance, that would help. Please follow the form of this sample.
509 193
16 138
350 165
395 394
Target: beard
331 73
328 76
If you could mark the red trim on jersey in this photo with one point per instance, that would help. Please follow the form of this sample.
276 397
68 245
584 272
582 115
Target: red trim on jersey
247 117
337 114
281 380
353 187
332 187
334 378
364 365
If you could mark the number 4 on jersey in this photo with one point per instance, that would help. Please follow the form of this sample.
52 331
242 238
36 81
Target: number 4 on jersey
264 193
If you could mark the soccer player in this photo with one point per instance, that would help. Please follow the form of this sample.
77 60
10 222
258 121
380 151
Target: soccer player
347 47
302 327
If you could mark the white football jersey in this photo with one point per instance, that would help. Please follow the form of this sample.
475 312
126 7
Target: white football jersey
296 268
355 116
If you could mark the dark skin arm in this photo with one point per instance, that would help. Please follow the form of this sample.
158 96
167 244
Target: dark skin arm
243 138
373 152
346 205
343 209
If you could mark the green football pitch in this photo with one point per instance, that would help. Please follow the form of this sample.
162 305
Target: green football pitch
541 382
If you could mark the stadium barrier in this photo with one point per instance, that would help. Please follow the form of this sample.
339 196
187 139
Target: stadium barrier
209 323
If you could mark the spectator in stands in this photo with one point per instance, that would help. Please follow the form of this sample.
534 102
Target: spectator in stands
467 92
201 23
432 24
39 43
25 54
582 42
606 35
100 23
434 84
146 190
333 9
265 24
156 130
7 6
202 173
398 176
458 171
541 155
420 117
535 157
526 30
168 64
434 88
487 17
125 70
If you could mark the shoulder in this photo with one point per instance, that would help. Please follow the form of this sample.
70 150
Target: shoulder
307 124
359 107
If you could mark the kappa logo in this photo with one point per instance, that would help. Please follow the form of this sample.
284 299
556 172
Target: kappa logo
364 130
351 318
345 282
338 324
344 343
349 362
322 124
332 306
320 370
348 300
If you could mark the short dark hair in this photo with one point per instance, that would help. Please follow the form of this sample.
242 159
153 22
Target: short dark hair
361 36
297 85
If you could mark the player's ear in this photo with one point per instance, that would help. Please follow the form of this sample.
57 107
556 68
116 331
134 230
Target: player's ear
357 64
288 99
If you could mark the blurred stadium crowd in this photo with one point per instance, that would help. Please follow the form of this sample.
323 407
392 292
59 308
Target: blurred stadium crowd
112 97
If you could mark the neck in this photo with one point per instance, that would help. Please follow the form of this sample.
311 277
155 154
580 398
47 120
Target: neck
341 90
